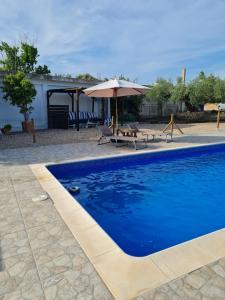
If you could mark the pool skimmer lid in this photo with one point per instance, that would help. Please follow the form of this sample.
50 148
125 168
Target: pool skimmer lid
74 189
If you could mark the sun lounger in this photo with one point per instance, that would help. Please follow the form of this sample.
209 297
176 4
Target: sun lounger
149 132
107 135
144 132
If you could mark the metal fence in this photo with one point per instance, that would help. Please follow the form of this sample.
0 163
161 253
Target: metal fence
150 110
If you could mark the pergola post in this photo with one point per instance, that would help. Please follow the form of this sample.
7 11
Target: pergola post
122 112
103 110
93 104
49 93
78 109
72 102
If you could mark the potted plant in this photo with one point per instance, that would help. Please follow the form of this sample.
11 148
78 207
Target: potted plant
27 124
20 92
6 129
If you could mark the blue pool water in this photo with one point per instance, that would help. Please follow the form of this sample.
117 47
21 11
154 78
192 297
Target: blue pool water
149 202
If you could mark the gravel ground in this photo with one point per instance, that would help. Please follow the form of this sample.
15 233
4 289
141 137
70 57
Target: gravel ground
61 136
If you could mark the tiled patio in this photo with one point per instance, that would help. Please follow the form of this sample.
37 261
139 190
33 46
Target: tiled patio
40 258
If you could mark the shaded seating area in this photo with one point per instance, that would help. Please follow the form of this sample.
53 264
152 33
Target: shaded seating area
85 118
61 116
106 136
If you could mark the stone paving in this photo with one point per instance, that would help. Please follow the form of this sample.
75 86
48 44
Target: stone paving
39 257
206 283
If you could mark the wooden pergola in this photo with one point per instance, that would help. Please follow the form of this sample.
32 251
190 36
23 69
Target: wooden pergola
69 91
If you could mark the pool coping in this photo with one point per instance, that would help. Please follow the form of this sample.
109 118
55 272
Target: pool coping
127 276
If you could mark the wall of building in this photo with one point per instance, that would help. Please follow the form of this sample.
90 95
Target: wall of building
11 115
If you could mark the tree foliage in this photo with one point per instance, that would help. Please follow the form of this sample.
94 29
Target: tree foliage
10 57
22 58
85 76
43 70
131 104
19 91
160 92
179 91
28 58
180 94
202 89
219 91
19 61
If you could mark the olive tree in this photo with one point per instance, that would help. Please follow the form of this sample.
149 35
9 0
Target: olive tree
180 94
219 90
18 62
20 92
160 92
22 58
201 89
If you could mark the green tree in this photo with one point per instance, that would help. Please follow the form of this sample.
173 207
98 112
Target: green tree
28 58
201 89
219 90
160 92
20 92
180 94
131 104
43 70
10 60
19 61
20 58
85 76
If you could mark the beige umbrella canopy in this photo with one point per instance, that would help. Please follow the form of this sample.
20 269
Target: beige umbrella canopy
115 88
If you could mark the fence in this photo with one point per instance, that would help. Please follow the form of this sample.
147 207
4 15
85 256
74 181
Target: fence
153 110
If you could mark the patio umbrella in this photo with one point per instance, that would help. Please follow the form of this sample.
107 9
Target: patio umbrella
115 88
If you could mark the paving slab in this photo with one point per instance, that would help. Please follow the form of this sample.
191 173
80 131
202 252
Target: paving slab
19 274
14 243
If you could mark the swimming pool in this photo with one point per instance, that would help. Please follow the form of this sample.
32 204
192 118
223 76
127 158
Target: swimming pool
149 202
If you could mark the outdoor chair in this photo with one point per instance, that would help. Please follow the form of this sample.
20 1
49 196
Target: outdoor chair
107 136
83 118
108 121
148 132
87 119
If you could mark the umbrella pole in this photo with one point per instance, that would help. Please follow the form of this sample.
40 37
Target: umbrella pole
116 116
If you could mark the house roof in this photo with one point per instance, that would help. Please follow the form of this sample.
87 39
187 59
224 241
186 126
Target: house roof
57 78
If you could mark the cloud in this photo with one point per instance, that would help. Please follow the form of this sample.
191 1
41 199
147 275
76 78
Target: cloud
140 39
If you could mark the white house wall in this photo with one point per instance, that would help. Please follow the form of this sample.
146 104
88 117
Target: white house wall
11 115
